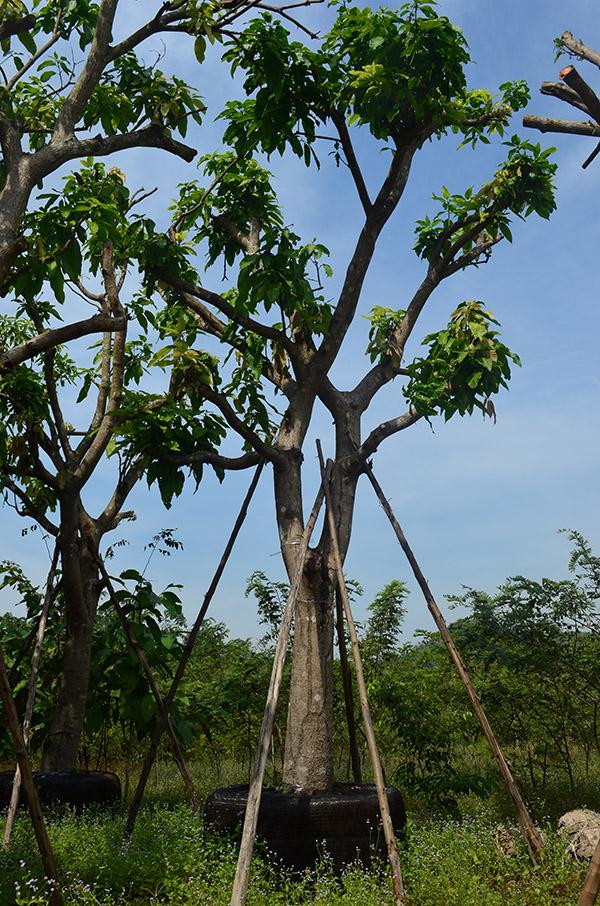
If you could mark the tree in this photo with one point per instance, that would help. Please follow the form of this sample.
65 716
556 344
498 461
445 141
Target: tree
52 100
79 242
401 77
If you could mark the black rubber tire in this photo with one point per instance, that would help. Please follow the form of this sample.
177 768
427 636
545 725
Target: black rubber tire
73 788
299 826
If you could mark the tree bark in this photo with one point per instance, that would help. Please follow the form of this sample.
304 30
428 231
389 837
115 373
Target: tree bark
308 760
81 591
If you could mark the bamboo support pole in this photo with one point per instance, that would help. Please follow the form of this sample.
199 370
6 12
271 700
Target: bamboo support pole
529 830
242 873
143 660
384 808
185 656
35 669
348 693
589 894
37 819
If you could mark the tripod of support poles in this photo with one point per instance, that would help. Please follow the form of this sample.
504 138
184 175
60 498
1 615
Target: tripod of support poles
240 888
530 832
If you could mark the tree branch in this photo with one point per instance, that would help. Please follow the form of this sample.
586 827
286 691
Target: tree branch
339 122
226 308
579 49
11 27
154 26
49 339
567 127
39 53
209 322
210 457
240 427
560 91
30 509
385 430
127 481
381 210
571 77
90 453
96 60
52 156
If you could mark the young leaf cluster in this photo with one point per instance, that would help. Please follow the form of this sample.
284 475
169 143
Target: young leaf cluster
465 365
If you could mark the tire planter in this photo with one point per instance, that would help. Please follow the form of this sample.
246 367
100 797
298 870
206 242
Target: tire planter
72 788
299 826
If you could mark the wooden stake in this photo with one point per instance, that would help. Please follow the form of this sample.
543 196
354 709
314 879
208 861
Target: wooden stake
348 693
185 656
41 834
530 832
242 872
589 894
384 808
143 660
35 668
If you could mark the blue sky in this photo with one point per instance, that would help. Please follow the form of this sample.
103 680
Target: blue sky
478 501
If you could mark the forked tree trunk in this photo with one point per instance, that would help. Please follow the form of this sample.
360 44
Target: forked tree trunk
308 757
81 590
308 760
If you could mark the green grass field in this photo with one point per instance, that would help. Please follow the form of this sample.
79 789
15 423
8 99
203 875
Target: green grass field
173 860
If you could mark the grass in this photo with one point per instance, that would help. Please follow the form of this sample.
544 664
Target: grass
173 860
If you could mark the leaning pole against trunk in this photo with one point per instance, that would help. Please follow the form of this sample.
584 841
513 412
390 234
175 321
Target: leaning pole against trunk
161 720
242 873
49 595
384 807
39 827
529 830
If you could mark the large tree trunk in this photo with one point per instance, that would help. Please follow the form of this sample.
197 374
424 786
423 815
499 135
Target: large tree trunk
81 590
308 760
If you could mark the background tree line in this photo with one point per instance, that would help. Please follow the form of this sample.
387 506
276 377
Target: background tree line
533 647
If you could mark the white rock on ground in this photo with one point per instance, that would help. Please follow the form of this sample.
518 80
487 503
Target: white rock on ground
582 828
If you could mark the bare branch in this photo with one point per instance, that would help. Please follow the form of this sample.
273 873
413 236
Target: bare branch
571 77
49 339
560 91
281 12
90 453
579 49
127 481
381 210
52 156
97 58
385 430
567 127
